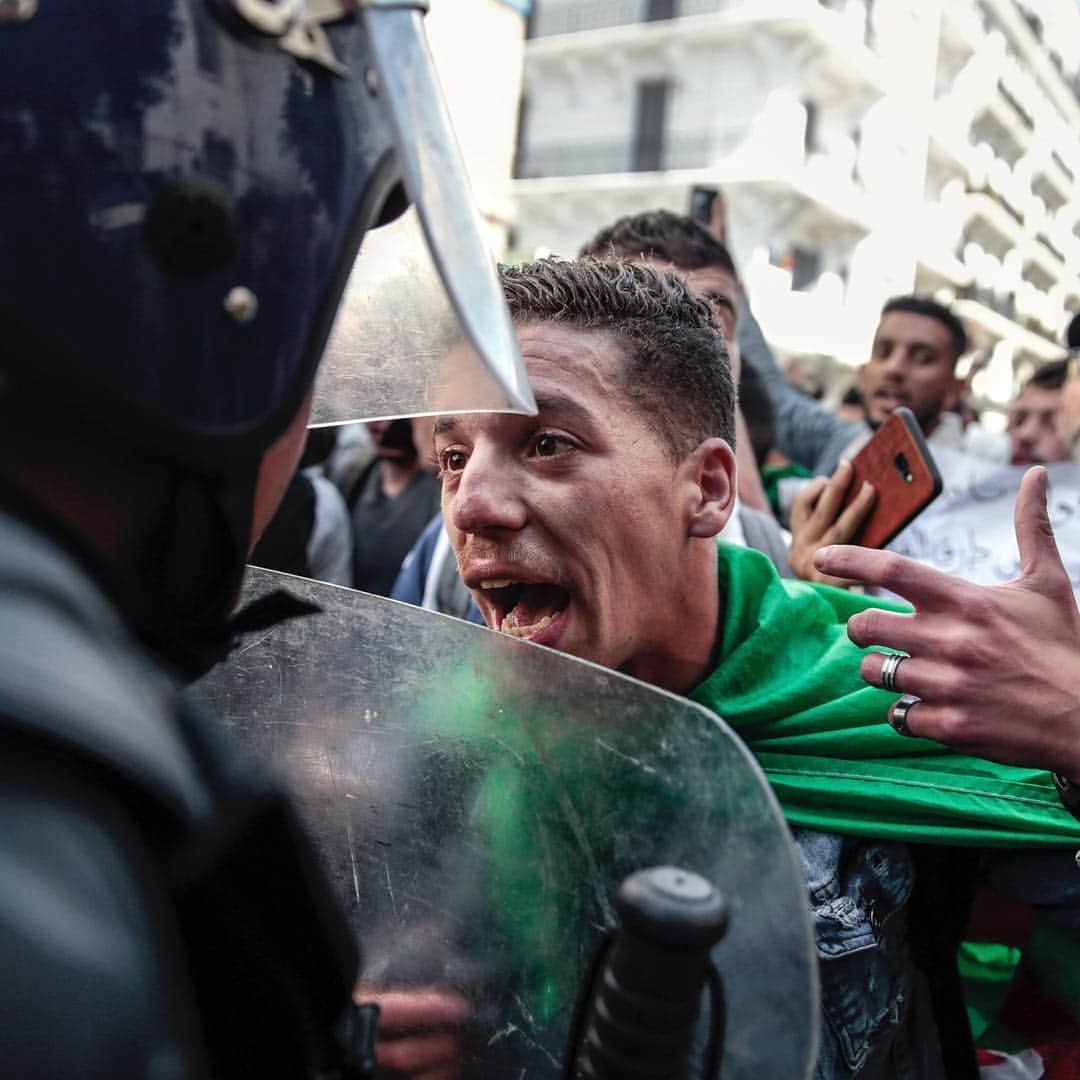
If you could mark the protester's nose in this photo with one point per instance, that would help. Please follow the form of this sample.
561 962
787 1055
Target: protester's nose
1024 429
488 496
896 363
1027 430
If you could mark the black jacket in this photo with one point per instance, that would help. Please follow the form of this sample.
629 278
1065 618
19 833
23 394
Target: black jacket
160 911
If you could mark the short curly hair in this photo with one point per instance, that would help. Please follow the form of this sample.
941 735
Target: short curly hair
664 236
676 368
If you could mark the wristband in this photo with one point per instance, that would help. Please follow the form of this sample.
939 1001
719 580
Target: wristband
1068 793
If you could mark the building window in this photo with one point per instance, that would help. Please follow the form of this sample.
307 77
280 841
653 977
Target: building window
655 10
805 268
520 151
810 139
1061 163
650 121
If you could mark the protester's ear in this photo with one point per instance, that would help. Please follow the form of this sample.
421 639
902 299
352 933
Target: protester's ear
710 475
860 376
953 394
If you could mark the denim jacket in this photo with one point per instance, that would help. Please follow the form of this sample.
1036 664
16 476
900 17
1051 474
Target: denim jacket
876 1019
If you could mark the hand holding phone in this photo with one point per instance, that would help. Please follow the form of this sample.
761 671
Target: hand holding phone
899 465
868 500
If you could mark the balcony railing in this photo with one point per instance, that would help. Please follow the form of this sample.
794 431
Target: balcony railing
1003 305
551 17
694 150
571 16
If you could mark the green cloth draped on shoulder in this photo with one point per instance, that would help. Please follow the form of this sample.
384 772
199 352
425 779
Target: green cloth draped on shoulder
787 680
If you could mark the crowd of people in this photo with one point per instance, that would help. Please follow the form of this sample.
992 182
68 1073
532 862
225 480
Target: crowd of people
922 753
592 528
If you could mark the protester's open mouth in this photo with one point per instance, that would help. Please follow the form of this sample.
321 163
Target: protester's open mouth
889 399
524 609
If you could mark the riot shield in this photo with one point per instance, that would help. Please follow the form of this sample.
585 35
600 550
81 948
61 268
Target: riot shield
478 800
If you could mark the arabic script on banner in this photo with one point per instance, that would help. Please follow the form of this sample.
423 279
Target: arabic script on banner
968 530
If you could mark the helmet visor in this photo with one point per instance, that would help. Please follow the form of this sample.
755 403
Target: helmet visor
397 347
422 327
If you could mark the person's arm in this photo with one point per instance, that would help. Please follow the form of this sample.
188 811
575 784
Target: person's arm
995 669
805 432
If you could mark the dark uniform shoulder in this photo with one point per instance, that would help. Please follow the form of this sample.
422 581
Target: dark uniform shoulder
137 849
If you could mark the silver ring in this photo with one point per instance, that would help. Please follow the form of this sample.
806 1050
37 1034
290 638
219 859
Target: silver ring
888 671
900 711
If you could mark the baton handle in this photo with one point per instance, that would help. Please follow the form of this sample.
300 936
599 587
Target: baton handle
642 1011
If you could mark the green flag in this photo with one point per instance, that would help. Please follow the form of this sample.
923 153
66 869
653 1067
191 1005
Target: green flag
787 680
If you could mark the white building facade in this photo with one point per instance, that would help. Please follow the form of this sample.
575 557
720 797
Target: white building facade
864 148
478 47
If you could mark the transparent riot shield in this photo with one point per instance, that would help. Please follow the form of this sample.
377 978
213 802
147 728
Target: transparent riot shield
398 348
478 800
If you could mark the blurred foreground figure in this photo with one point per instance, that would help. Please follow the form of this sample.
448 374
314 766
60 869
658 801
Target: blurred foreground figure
185 185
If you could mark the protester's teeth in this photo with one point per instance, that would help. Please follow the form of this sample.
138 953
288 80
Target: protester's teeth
509 627
496 583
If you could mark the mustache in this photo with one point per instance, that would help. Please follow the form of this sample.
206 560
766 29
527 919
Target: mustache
517 552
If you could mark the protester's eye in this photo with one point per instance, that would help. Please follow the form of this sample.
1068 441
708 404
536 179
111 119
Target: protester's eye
549 446
452 460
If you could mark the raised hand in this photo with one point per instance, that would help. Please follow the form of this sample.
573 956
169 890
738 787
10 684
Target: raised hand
995 669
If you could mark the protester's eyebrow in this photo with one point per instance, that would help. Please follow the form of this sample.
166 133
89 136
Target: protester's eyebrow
547 405
564 408
722 299
443 424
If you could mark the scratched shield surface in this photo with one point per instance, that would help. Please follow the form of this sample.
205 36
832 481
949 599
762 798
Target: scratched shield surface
477 800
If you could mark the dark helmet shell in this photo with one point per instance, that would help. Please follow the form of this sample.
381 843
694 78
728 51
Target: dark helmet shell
182 200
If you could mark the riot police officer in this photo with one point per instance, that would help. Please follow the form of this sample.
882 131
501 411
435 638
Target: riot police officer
185 187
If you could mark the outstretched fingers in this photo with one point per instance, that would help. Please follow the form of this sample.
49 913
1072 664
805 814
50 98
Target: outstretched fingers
1041 567
421 1032
911 717
417 1010
922 585
925 676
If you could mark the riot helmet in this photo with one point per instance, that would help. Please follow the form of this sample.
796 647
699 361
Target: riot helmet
186 187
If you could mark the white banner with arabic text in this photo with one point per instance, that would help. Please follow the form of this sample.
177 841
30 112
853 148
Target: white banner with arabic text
968 531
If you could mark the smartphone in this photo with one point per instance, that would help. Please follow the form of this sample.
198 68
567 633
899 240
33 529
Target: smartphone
701 202
899 464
